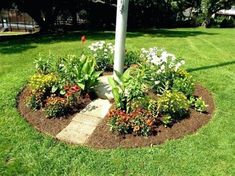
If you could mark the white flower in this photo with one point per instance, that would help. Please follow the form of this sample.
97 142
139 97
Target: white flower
177 66
162 68
156 82
159 71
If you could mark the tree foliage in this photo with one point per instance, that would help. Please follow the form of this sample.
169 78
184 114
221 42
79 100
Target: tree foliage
209 7
102 13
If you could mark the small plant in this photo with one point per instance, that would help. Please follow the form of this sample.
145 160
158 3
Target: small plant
173 103
43 66
103 54
166 120
42 83
132 57
79 71
35 101
159 68
198 104
55 107
72 94
138 122
126 90
183 82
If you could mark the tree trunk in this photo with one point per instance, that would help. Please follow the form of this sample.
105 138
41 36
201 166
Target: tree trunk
206 22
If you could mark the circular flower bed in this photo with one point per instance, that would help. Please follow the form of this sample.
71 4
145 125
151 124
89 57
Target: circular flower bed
153 92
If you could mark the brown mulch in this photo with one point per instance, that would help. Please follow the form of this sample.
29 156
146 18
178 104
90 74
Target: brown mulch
103 138
50 126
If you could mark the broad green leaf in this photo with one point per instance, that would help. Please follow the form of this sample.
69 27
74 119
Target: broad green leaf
116 96
82 85
54 89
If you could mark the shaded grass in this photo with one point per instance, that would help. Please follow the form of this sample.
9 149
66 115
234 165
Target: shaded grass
209 55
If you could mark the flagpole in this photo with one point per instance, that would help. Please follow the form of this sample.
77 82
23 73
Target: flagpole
120 35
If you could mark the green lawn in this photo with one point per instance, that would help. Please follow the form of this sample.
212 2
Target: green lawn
210 57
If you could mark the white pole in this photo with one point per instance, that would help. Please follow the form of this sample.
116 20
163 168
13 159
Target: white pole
120 35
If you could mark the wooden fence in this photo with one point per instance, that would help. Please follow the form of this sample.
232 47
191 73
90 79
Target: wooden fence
13 20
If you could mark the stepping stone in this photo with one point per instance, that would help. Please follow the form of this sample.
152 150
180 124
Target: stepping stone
86 119
85 122
104 90
98 108
76 133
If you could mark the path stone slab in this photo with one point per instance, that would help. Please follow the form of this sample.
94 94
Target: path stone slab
86 119
104 90
76 133
85 122
98 108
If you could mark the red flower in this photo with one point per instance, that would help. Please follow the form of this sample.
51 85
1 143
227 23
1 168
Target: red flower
83 39
66 87
75 88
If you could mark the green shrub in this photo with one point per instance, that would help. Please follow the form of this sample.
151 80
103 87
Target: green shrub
173 103
166 120
132 57
185 85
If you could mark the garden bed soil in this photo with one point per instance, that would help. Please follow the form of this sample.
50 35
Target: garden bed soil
50 126
102 137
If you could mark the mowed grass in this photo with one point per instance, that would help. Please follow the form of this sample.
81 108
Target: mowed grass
210 57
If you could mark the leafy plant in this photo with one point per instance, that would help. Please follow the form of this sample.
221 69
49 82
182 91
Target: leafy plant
103 54
132 57
138 122
126 90
43 66
198 104
184 85
166 120
79 71
55 107
173 103
42 83
35 101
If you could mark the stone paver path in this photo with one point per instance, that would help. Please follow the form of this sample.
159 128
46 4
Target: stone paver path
85 122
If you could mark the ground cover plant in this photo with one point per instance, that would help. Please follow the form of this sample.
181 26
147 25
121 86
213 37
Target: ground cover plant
209 54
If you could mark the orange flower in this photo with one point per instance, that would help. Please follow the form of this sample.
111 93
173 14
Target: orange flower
149 122
136 128
83 39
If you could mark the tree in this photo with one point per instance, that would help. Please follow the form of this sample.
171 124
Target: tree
209 7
